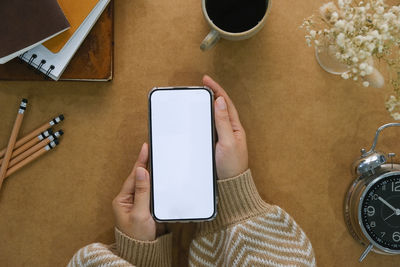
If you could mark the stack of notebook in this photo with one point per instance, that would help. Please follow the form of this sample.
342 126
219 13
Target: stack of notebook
55 38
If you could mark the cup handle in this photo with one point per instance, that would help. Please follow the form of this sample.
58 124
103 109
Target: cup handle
210 40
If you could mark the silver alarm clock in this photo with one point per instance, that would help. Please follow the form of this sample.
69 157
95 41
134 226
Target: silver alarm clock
372 203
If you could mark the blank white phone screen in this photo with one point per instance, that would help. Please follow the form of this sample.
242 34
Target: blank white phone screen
182 154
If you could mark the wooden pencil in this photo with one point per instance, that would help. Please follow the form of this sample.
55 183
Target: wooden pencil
36 132
30 144
31 158
12 140
35 148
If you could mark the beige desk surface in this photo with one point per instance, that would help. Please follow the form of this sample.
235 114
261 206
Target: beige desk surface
305 128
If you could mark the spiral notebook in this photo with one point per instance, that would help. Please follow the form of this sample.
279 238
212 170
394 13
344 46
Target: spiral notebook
76 12
54 64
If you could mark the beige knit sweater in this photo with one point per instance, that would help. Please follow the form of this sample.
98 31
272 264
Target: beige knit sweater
246 232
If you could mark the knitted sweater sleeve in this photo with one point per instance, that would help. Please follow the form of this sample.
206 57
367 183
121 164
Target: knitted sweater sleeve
249 232
126 252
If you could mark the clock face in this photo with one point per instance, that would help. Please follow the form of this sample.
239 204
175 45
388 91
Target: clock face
380 212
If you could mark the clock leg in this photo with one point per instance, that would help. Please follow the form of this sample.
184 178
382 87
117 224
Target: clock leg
365 253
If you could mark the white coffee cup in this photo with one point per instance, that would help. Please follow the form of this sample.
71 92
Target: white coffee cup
216 33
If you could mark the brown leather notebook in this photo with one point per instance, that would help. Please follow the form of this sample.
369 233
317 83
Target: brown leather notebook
92 62
25 24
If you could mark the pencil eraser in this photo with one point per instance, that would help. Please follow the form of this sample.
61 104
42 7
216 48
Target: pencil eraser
56 141
61 117
60 132
50 131
25 100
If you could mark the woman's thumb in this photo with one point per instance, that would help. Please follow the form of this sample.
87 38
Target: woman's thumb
141 202
222 122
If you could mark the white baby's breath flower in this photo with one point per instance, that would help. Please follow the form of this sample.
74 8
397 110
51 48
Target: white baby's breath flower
340 39
334 16
359 31
368 38
374 34
395 9
349 28
358 39
340 24
348 16
384 27
396 116
350 49
371 46
391 103
361 54
389 16
329 12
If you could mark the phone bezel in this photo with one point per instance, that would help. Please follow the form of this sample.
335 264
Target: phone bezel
213 153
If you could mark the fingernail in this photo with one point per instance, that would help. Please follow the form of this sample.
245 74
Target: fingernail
141 149
221 103
140 174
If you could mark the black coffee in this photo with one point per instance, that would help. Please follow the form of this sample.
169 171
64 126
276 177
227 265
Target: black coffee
236 15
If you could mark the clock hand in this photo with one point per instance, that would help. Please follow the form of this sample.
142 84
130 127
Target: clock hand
389 216
387 204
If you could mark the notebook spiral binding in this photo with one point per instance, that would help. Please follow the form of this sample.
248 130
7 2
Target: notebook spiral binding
39 67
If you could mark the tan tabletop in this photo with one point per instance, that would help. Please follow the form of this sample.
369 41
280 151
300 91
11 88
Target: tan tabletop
305 128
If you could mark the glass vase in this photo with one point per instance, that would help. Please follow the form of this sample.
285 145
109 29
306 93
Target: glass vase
326 58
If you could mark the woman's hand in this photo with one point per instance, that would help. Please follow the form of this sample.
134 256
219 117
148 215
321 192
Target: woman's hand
231 150
132 205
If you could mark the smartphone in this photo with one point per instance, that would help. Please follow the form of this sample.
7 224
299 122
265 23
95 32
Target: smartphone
182 154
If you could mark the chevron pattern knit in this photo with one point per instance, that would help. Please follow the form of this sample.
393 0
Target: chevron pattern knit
97 255
249 232
246 232
272 239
